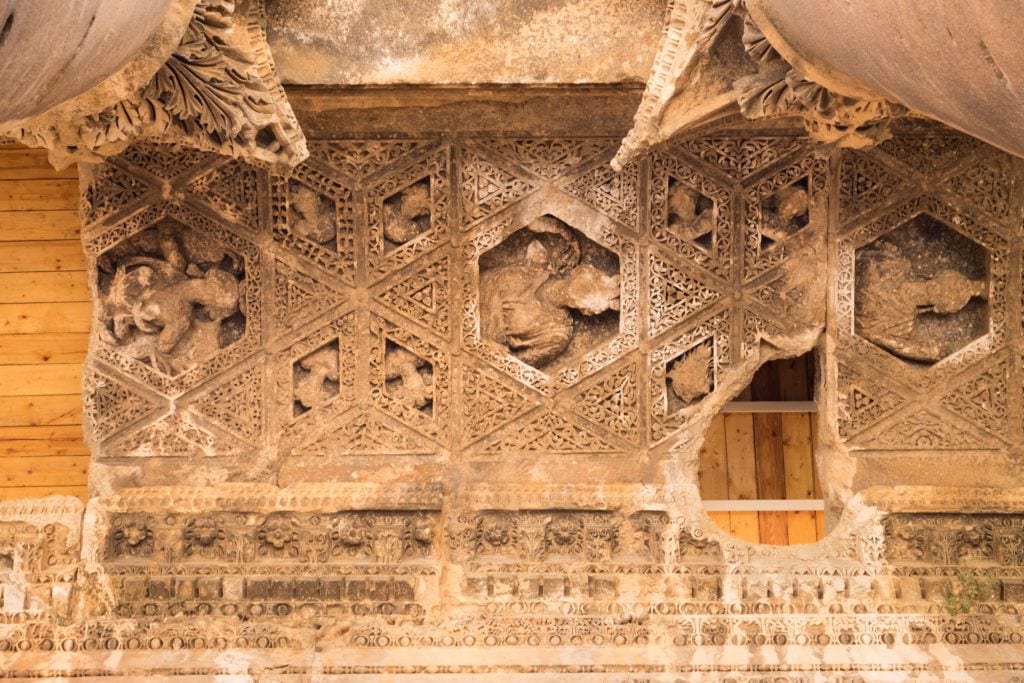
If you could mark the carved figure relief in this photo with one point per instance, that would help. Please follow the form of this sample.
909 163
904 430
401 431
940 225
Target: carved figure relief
406 214
408 378
317 378
170 298
690 377
691 214
921 291
544 297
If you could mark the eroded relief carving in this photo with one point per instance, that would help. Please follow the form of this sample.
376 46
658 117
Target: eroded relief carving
556 342
170 297
922 290
548 291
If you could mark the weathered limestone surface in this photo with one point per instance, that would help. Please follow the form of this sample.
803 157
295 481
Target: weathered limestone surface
366 42
432 403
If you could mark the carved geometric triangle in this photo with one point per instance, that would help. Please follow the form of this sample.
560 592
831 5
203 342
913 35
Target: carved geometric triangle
423 296
299 298
110 190
233 190
548 432
929 153
487 188
489 403
983 400
862 402
613 402
177 435
865 184
674 296
741 157
361 158
165 160
924 430
236 405
364 431
546 157
111 405
615 194
987 184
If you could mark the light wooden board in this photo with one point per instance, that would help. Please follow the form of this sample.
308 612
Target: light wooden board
39 195
45 318
44 321
40 380
21 226
43 287
27 411
713 470
41 255
43 349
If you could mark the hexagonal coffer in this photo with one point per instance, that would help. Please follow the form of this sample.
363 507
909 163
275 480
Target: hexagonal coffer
921 290
549 294
170 297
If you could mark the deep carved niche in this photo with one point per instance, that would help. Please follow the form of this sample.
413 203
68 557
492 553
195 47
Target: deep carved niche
549 294
169 297
921 290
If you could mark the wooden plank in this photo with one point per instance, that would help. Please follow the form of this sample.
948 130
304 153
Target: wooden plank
40 410
768 455
814 470
798 453
58 470
18 226
30 195
36 255
44 318
43 349
773 528
19 492
743 525
801 527
48 442
40 380
819 523
26 164
793 385
713 473
41 287
721 520
740 464
769 407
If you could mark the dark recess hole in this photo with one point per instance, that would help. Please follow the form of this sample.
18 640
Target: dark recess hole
6 30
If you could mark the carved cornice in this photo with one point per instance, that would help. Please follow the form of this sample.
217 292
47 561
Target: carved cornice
217 92
715 56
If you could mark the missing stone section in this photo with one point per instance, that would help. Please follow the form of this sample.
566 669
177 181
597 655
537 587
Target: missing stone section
921 291
549 293
757 466
169 297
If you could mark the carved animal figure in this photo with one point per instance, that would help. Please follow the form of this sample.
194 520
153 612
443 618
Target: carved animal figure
412 388
685 217
322 366
891 298
311 219
525 306
792 204
407 214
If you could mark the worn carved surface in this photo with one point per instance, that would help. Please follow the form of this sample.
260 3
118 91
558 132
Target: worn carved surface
432 403
217 91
